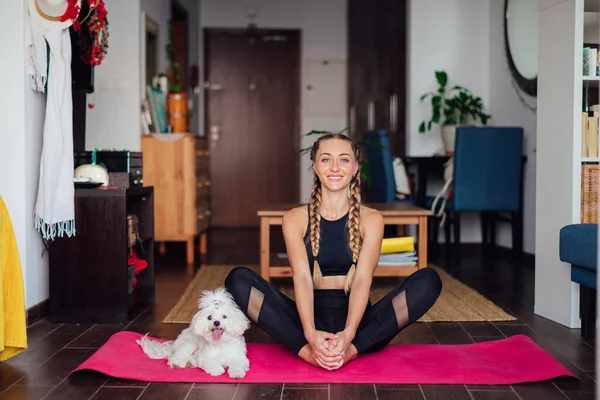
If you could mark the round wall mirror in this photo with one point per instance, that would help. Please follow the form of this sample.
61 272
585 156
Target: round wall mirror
521 42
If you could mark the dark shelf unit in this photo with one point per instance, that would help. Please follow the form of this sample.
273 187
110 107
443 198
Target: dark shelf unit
88 272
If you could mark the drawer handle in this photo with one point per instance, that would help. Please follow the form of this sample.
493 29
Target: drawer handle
200 216
200 184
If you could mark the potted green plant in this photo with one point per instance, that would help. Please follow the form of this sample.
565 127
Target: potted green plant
452 107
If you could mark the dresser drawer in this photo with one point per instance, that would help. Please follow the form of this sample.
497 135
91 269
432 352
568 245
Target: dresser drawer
202 162
202 191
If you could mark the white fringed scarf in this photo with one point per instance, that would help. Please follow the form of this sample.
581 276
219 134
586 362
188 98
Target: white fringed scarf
55 205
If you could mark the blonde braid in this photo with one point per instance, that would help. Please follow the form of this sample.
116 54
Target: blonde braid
315 228
354 228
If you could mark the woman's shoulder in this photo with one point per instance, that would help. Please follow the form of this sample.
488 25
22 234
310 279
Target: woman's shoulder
296 218
296 212
370 216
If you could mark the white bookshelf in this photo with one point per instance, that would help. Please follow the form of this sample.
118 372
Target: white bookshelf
591 81
563 30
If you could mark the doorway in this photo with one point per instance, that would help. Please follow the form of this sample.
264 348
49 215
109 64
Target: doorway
252 121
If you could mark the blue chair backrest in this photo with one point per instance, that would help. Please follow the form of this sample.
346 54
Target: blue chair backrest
487 168
379 159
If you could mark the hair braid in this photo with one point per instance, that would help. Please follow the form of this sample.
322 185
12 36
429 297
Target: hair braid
354 228
315 228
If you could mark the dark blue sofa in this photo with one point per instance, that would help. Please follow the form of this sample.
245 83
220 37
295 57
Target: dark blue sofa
579 247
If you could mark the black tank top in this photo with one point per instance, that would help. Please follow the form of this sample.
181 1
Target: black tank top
335 257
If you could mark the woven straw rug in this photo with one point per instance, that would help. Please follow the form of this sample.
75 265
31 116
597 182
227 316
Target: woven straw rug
457 302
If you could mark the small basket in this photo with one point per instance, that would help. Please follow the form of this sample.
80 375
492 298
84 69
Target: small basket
590 177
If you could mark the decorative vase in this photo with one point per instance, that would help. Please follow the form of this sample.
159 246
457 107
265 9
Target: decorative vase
448 136
177 104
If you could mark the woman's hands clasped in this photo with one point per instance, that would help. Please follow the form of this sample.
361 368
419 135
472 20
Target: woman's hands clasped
323 345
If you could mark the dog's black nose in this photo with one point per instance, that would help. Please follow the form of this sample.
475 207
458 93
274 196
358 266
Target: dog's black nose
216 323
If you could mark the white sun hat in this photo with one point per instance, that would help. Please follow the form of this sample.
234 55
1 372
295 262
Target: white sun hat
54 14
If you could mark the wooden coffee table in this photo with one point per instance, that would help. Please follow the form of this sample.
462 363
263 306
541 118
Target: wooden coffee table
393 214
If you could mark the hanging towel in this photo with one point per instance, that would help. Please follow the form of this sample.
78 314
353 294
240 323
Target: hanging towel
37 60
55 205
13 330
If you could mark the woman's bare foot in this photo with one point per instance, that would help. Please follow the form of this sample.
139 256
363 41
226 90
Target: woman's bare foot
351 354
306 354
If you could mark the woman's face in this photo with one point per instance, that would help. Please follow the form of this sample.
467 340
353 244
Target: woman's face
335 164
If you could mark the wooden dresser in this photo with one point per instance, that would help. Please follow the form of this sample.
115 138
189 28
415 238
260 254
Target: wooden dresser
177 168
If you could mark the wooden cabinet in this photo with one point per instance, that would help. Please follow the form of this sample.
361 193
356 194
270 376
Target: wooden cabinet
91 275
176 165
377 71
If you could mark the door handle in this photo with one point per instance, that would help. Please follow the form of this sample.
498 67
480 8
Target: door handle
214 135
213 86
371 115
393 112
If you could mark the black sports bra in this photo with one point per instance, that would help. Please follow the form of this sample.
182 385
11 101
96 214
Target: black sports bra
335 257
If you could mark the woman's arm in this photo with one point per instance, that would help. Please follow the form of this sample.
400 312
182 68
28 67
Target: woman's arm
368 259
303 286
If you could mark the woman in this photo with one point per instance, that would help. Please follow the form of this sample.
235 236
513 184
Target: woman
333 246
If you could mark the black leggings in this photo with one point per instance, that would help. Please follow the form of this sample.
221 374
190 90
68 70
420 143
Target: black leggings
381 322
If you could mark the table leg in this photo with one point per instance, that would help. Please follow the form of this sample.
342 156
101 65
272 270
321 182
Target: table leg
203 243
264 248
190 249
422 244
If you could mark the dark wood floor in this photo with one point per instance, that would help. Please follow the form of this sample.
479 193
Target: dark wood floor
55 349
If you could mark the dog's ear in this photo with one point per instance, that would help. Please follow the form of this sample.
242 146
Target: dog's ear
199 324
239 323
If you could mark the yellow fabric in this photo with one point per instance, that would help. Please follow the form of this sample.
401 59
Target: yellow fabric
13 329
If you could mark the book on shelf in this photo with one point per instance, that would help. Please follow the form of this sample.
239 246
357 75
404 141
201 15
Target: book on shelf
589 134
399 259
398 244
590 61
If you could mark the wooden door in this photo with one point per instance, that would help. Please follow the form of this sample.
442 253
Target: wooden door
252 97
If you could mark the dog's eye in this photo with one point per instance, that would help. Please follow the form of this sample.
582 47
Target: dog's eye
209 317
224 316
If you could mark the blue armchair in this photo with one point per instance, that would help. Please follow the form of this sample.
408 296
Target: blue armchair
579 247
487 178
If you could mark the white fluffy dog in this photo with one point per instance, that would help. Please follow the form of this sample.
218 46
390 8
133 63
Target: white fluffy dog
214 340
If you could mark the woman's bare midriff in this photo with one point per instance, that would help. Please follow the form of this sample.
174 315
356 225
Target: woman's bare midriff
332 282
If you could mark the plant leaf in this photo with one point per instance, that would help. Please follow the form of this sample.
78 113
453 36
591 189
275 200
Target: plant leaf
426 95
442 78
422 127
365 171
436 115
316 132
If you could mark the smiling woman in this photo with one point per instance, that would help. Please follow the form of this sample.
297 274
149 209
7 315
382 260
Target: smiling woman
333 245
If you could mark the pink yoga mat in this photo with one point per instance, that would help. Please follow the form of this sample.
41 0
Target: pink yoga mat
513 360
